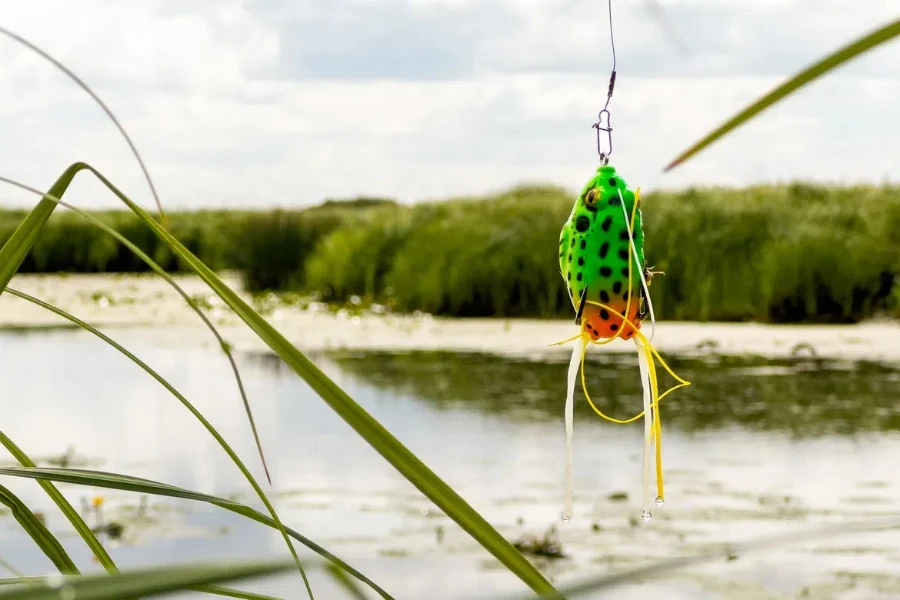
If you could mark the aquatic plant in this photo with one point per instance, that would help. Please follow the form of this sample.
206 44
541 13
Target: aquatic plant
495 256
390 254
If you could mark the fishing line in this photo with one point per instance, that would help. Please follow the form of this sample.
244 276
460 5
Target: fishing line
604 154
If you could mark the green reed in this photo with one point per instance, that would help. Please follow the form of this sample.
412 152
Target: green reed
787 253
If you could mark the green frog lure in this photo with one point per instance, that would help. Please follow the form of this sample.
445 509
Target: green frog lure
601 259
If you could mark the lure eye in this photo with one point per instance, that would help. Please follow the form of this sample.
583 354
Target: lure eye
591 197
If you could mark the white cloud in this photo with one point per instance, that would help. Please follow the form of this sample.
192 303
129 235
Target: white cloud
266 102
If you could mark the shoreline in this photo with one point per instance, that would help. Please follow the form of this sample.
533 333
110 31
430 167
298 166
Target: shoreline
149 305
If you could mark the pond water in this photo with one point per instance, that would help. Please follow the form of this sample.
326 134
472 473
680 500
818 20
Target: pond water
754 447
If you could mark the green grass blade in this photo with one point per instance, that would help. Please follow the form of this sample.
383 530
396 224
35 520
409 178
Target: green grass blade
230 592
184 401
13 253
218 590
190 301
82 528
168 278
409 465
144 583
20 242
84 86
348 585
127 483
74 517
642 574
24 580
830 62
38 532
10 568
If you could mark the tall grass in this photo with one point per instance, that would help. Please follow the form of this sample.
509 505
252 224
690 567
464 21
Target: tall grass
70 244
789 253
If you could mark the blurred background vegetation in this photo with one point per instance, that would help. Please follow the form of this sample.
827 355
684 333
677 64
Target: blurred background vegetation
791 253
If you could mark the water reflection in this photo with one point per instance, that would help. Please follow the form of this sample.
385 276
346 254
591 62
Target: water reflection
752 447
805 396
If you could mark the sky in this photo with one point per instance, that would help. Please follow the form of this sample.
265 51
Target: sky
259 103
